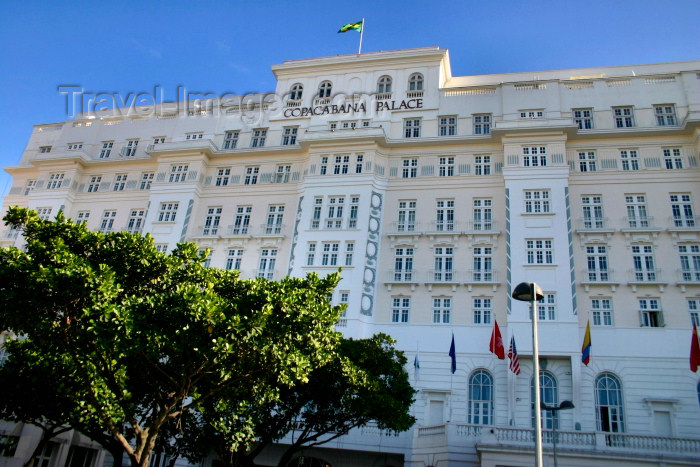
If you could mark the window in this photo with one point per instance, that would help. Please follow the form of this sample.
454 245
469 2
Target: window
407 216
296 91
222 177
535 156
231 139
130 149
549 395
445 215
592 206
251 175
289 135
334 219
159 140
694 311
643 259
650 313
531 114
597 260
310 253
341 165
409 168
146 180
94 184
446 166
624 117
415 82
167 212
211 221
441 310
44 213
483 264
665 115
586 161
316 217
539 252
399 310
481 310
106 149
107 221
324 89
55 181
82 218
608 404
266 269
629 159
482 124
673 158
323 169
482 165
583 118
384 84
258 138
190 136
75 146
411 127
329 255
682 209
601 309
178 173
44 149
546 307
119 182
636 211
690 262
537 202
358 163
29 186
447 126
135 222
480 398
354 209
282 174
349 250
275 213
482 214
443 264
242 220
403 265
161 247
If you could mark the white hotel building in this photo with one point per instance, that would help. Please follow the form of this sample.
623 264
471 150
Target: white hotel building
436 195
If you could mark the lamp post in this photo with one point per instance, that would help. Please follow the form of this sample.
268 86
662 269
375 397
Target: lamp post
565 405
531 292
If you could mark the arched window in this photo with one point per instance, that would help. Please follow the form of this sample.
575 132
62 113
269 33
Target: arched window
549 395
481 398
384 84
415 82
608 403
324 90
295 92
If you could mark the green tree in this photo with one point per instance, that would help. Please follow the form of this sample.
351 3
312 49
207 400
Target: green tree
143 338
367 382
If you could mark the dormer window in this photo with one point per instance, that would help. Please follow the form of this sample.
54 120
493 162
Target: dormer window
324 90
384 84
415 82
295 92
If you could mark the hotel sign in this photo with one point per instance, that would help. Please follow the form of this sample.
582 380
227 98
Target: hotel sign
332 109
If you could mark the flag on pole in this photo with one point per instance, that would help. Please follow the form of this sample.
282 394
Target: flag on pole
453 355
352 27
496 344
416 368
694 350
513 357
586 347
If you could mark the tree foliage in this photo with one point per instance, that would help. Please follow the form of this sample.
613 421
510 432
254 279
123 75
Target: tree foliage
133 340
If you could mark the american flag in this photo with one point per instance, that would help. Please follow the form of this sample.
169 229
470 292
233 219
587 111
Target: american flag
513 357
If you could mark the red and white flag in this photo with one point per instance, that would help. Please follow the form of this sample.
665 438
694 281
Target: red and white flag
496 344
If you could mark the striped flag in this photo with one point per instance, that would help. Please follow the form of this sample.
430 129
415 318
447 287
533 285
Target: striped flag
513 357
586 347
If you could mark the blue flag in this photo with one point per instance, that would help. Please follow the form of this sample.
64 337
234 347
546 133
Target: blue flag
452 354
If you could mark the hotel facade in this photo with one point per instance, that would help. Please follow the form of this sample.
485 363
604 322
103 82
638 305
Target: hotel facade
436 195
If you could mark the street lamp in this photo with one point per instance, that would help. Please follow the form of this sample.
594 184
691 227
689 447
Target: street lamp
565 405
531 292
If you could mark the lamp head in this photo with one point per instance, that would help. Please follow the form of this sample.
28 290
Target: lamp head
524 292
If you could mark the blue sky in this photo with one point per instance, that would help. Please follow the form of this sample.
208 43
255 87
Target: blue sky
229 46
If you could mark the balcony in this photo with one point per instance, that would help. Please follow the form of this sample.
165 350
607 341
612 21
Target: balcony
402 276
238 230
383 96
414 94
442 277
477 277
293 103
679 224
639 224
637 277
594 277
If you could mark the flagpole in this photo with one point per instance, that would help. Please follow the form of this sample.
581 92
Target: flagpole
359 51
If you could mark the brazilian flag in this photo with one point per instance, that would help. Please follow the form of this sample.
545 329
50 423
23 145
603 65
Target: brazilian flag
351 27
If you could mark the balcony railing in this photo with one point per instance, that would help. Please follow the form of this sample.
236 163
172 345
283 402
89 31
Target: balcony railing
401 276
645 275
404 228
684 223
481 276
414 94
593 223
442 276
272 229
639 223
383 96
444 227
234 230
597 276
688 275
